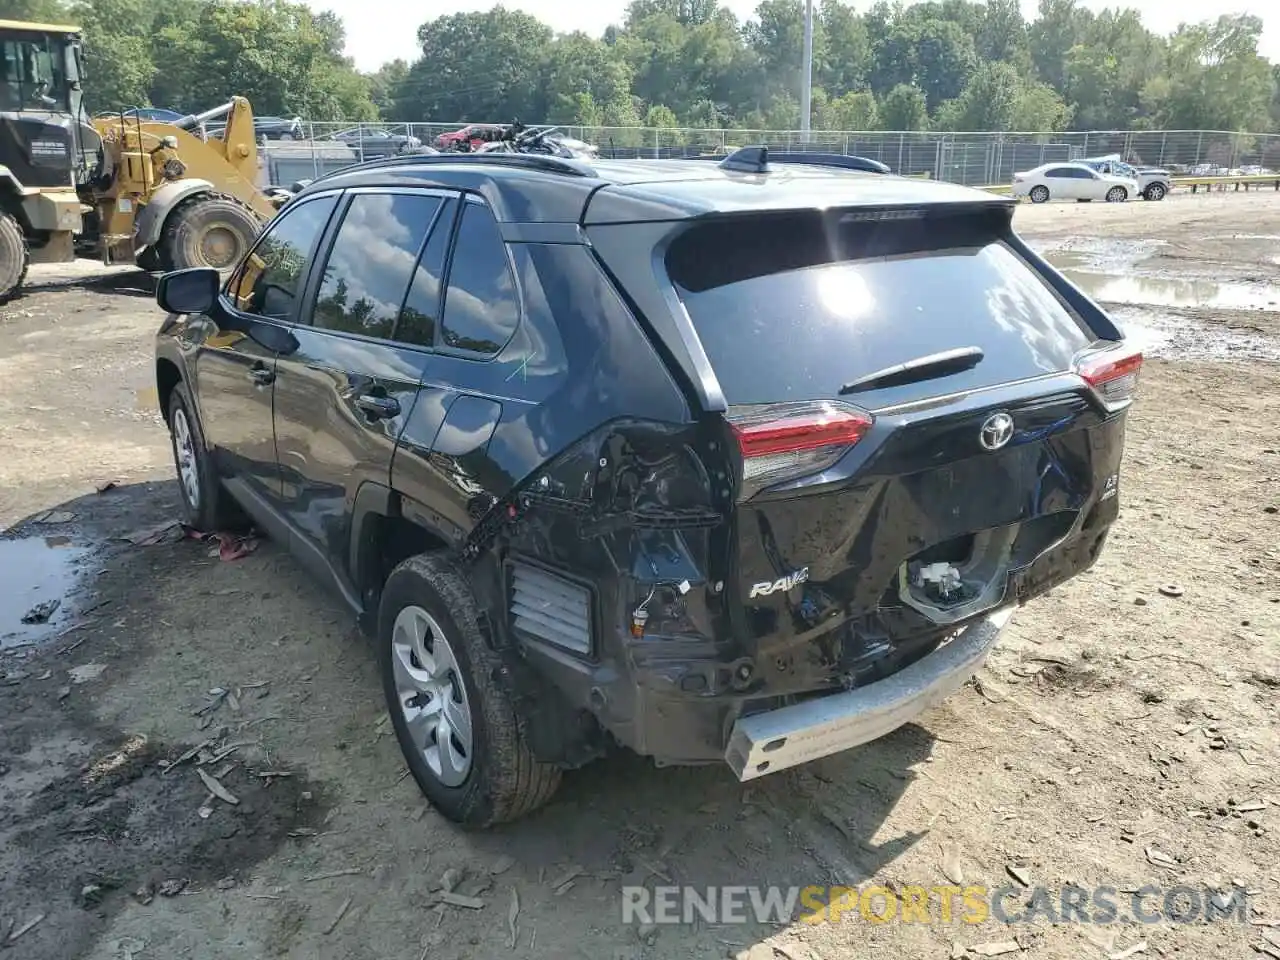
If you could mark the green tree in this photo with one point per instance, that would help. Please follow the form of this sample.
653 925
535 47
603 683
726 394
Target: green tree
579 65
904 108
385 83
40 11
855 110
479 66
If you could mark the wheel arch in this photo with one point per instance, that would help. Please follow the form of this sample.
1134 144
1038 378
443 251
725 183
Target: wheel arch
12 193
386 528
168 376
149 226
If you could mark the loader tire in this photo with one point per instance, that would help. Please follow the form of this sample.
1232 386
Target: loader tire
14 257
207 231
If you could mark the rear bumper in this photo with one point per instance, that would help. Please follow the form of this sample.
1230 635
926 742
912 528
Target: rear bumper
764 743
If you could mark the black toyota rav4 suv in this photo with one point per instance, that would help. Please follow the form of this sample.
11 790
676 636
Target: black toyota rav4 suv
742 462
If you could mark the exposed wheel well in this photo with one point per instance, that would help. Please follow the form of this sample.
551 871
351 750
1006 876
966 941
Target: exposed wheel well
386 541
167 377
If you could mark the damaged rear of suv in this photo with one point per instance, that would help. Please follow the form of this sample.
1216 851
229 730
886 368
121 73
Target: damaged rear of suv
770 453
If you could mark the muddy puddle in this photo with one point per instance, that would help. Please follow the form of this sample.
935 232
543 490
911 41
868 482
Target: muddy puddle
1173 316
40 576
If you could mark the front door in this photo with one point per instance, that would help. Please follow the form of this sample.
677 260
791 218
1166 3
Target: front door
236 363
343 395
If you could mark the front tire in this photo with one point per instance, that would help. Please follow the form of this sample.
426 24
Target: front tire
451 709
206 505
1155 191
1117 195
208 231
14 257
1039 194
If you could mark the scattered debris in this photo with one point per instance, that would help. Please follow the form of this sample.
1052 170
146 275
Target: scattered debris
226 883
1249 806
647 932
1160 859
298 832
513 913
502 865
1137 948
41 612
1021 874
25 928
104 487
86 672
951 866
349 872
450 879
216 788
337 919
172 887
54 516
1171 589
997 949
562 882
458 900
171 531
166 766
145 894
64 692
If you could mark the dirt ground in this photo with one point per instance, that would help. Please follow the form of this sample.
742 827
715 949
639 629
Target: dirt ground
1125 732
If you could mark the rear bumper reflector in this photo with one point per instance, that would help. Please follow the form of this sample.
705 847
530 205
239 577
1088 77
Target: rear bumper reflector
764 743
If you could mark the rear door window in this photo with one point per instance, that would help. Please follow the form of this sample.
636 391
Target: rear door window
795 307
481 306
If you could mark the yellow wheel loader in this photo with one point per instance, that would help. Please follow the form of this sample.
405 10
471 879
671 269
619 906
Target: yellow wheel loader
118 189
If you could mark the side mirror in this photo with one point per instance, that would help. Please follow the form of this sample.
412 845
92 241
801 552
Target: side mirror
189 291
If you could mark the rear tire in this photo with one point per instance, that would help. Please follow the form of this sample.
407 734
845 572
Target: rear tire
1117 195
449 703
1039 194
1155 191
208 231
14 257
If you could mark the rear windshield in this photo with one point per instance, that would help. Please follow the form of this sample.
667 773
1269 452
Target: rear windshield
792 308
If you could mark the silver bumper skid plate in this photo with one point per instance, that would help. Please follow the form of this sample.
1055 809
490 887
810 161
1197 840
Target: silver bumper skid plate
764 743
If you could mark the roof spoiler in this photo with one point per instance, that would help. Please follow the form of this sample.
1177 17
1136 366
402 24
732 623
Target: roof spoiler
757 160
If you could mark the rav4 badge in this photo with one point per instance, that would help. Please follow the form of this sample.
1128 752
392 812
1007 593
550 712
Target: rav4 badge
783 583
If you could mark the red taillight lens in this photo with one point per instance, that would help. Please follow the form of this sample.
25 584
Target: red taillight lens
1113 375
784 441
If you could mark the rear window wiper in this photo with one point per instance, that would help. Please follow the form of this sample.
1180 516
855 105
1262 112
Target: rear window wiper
921 368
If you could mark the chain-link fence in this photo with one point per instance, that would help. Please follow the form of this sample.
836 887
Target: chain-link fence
976 159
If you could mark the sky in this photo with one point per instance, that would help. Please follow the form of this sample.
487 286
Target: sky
373 40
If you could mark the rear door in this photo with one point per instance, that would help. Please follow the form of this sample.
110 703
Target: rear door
344 394
861 481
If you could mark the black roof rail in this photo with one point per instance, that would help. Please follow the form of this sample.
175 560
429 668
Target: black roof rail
532 161
757 160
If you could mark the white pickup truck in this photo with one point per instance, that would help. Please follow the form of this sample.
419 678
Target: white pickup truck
1153 183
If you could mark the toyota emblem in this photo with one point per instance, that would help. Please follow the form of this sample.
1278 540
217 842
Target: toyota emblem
996 431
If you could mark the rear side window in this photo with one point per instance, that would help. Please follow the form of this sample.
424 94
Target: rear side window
270 280
421 311
481 308
795 307
371 262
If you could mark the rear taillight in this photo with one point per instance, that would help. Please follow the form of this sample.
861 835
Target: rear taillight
1113 375
785 441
